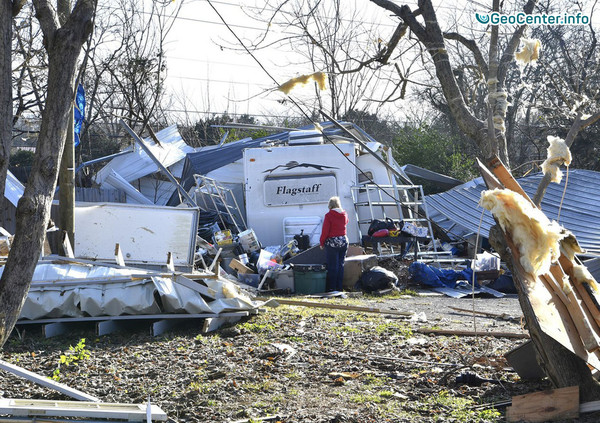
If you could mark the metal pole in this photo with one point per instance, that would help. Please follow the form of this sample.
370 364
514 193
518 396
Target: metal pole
158 163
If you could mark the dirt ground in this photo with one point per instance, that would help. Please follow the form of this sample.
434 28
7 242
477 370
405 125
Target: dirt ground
296 364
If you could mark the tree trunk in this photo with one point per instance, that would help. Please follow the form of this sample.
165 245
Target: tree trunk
6 103
63 46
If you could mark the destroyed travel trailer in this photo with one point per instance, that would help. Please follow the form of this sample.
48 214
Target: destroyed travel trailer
281 183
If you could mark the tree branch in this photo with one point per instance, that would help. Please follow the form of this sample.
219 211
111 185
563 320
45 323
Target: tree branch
431 37
472 46
511 47
48 19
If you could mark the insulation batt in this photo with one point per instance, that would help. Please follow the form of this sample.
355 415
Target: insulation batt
530 52
582 274
558 153
535 236
319 77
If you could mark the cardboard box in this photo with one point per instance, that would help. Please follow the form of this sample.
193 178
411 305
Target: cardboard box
354 267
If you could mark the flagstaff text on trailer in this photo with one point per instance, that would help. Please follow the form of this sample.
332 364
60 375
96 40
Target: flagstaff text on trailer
283 189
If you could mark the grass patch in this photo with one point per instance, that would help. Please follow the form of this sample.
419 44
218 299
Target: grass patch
458 408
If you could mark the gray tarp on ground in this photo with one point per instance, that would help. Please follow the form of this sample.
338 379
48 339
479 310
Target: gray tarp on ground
457 210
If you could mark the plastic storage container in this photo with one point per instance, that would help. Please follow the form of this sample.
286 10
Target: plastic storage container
223 237
284 279
310 279
248 241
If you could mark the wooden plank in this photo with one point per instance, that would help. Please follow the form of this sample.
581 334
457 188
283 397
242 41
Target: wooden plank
490 180
554 404
195 286
119 255
472 333
340 307
162 326
111 326
502 316
586 326
55 329
587 293
215 261
215 323
48 383
107 410
170 262
505 177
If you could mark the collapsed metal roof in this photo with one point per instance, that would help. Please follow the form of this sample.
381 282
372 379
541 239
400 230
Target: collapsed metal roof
457 210
210 158
137 164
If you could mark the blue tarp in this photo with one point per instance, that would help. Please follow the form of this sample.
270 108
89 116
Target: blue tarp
442 278
454 283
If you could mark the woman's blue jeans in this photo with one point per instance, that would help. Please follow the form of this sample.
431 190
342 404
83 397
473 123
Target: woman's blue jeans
335 267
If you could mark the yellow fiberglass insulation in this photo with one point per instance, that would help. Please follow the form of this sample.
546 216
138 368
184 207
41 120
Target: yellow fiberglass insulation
582 274
570 246
530 52
535 236
319 77
558 153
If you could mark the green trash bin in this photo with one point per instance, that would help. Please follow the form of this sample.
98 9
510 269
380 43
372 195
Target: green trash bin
310 279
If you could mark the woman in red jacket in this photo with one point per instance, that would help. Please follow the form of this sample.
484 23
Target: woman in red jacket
335 242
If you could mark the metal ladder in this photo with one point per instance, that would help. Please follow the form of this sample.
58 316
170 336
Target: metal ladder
212 196
408 204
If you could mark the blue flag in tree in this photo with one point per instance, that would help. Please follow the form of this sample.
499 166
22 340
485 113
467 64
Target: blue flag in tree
79 112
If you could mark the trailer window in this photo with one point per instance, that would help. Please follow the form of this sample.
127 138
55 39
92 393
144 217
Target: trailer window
365 176
299 189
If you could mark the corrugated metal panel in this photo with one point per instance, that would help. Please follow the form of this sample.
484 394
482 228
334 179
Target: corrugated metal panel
580 212
98 195
137 164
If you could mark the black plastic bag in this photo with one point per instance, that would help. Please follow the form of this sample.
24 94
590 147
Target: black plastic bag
375 279
378 224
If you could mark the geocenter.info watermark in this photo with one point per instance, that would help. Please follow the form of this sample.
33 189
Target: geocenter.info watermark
496 18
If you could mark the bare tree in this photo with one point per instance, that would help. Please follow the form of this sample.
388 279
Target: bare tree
337 40
8 9
63 45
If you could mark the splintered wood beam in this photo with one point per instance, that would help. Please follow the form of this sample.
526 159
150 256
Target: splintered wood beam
505 177
586 326
554 404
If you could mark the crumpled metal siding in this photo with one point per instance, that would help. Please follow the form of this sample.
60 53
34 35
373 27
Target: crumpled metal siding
75 290
137 164
580 211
